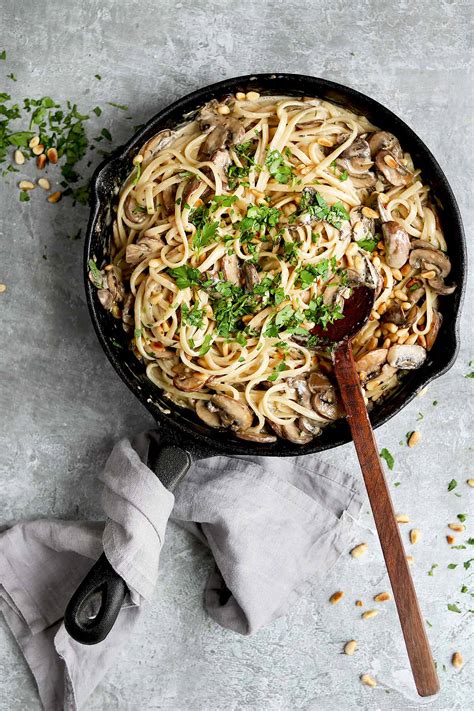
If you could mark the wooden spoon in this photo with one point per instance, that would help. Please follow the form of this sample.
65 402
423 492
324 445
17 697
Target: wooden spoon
357 309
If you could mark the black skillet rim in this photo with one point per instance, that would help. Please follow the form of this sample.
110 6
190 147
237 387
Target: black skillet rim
174 420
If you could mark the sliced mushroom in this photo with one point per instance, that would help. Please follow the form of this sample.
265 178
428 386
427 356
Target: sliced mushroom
227 130
254 436
384 141
406 357
106 299
251 276
157 143
160 351
431 259
127 313
434 329
135 253
326 403
392 168
356 159
385 215
372 361
416 292
394 314
133 211
168 197
215 141
221 160
318 382
440 287
291 432
114 283
310 426
231 269
190 381
300 385
361 225
207 415
232 413
397 244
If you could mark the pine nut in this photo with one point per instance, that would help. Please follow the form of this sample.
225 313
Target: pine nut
52 155
138 159
401 340
414 536
376 261
3 288
428 275
387 343
368 212
325 142
18 157
400 295
421 340
350 647
391 327
382 309
240 96
403 332
252 95
410 559
26 185
37 150
359 550
457 660
415 438
34 142
406 306
382 597
411 340
470 482
335 597
451 540
390 161
41 161
396 273
223 110
402 518
369 614
54 197
368 680
405 270
375 315
359 603
44 183
378 332
456 527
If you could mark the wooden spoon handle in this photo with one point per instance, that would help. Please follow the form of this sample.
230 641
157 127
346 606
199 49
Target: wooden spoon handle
416 641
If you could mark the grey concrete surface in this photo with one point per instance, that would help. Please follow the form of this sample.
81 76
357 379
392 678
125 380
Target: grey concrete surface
62 407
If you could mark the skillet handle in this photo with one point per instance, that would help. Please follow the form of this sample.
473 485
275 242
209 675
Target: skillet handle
94 607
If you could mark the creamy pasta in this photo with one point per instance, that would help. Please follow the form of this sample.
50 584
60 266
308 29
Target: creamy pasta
237 233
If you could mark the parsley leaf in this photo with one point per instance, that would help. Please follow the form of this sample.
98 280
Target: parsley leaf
462 517
185 276
452 566
278 168
368 244
206 345
205 235
193 316
453 608
24 196
3 54
276 372
122 107
96 274
431 570
385 454
452 484
316 206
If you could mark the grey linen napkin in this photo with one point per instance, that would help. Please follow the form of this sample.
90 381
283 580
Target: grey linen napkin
274 526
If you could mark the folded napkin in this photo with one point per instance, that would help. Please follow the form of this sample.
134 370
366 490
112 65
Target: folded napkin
273 526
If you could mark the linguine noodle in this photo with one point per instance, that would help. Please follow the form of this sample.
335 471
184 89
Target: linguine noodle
238 232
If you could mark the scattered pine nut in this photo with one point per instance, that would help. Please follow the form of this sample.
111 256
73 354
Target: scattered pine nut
400 295
223 110
3 288
457 660
54 197
456 527
451 540
368 212
368 680
38 149
390 161
240 96
405 270
359 550
326 142
26 185
350 647
41 161
390 327
34 142
52 155
18 157
414 439
414 536
383 597
44 183
396 273
369 614
470 482
402 518
410 560
335 597
138 159
252 95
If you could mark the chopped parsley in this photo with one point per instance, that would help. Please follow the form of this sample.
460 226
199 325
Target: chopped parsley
185 276
464 589
24 196
453 608
452 566
3 54
193 316
278 168
308 274
122 107
462 517
452 484
257 220
385 454
467 563
205 235
206 345
98 77
369 244
408 435
343 176
323 314
96 274
97 110
11 76
469 375
276 372
431 570
316 206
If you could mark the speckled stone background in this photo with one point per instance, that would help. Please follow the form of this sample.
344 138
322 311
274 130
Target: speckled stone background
62 406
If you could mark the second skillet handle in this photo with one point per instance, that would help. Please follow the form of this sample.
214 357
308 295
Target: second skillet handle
95 605
411 621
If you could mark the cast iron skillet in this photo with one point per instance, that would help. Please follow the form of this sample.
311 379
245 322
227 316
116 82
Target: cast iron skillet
103 590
